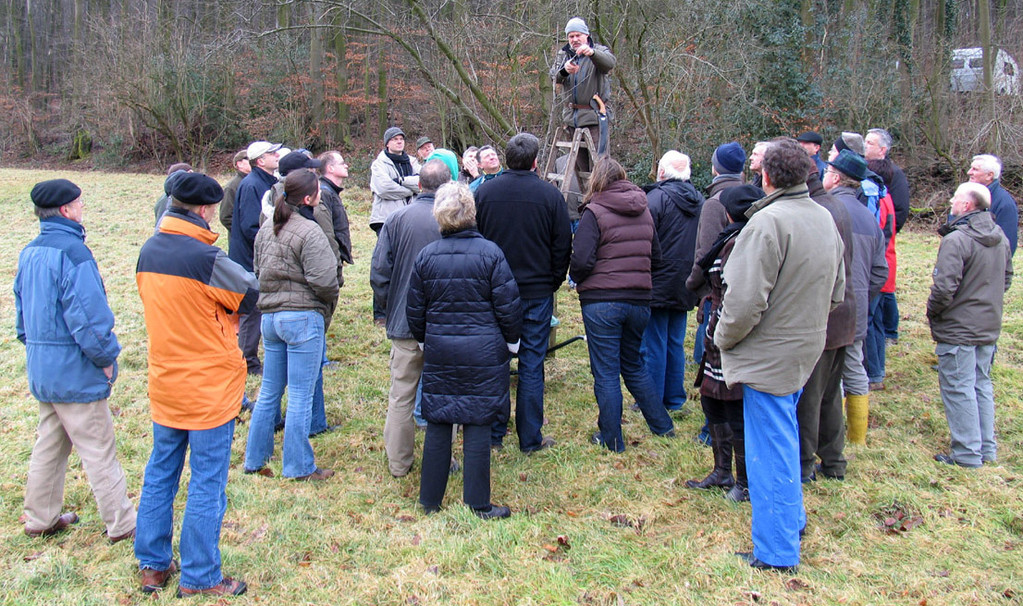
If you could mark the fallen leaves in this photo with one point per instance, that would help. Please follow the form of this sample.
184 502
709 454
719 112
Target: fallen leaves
625 521
896 518
558 551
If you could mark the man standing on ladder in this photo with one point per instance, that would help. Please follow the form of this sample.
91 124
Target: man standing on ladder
583 69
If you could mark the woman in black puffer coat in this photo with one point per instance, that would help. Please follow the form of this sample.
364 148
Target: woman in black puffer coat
464 309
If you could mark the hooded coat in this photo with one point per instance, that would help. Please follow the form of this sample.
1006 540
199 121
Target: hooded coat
463 305
971 275
675 208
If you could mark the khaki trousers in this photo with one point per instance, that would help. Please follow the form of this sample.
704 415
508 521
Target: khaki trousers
90 429
399 428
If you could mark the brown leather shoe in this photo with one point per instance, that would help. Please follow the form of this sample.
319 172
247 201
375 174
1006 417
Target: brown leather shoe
155 580
63 521
228 586
128 535
316 476
264 471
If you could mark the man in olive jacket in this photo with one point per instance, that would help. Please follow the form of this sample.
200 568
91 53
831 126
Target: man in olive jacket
785 275
971 275
583 69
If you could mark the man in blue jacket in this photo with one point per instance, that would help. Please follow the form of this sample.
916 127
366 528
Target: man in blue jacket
987 170
244 224
67 328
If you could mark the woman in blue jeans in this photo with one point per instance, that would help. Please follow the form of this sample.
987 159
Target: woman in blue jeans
612 254
297 282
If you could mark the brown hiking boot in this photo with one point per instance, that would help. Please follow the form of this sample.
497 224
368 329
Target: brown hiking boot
63 521
155 580
228 586
316 476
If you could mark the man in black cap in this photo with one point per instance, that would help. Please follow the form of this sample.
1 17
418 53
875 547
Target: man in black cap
811 142
71 362
870 270
191 292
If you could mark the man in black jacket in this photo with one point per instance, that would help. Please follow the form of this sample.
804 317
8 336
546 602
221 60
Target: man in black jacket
675 207
527 217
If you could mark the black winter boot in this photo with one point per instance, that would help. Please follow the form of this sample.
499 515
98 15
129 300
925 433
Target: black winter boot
740 491
721 475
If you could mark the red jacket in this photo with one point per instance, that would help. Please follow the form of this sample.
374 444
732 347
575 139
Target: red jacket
887 222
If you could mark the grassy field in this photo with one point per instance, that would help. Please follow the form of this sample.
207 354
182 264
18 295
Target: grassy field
632 533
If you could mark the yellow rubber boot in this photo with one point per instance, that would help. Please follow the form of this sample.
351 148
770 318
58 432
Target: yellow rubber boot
856 411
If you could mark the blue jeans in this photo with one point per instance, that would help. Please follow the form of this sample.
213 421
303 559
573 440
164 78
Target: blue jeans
701 333
665 355
536 330
293 345
874 344
417 412
772 466
614 332
318 422
204 508
890 313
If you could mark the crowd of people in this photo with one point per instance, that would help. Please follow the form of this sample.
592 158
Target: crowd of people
792 276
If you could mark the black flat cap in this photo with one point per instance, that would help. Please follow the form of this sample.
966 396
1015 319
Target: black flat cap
197 189
810 137
54 193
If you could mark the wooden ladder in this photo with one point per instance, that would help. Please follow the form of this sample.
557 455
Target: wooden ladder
579 139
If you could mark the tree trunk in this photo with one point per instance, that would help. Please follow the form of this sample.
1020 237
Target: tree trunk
316 79
340 41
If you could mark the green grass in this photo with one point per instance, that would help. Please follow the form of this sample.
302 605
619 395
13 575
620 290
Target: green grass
359 538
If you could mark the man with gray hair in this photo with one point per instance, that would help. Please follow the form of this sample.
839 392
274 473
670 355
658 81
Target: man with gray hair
675 207
404 233
876 146
987 170
583 69
964 310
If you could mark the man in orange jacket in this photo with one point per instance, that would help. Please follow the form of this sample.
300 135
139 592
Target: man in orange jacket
192 294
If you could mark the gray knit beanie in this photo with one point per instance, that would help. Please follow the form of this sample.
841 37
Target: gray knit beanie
575 24
391 133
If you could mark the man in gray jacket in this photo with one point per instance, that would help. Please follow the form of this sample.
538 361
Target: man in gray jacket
789 254
964 309
405 232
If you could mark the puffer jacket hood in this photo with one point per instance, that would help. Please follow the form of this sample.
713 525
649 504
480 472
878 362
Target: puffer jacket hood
622 198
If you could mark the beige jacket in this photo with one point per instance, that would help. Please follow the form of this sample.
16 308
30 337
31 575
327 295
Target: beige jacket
785 274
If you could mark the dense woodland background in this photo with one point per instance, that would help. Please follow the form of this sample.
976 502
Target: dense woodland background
143 83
